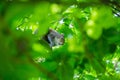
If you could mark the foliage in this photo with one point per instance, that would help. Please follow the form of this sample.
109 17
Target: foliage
92 40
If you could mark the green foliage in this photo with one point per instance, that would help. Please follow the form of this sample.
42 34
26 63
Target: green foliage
92 40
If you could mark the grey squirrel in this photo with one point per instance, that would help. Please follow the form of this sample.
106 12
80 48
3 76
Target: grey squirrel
53 38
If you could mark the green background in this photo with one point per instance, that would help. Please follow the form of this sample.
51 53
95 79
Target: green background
92 40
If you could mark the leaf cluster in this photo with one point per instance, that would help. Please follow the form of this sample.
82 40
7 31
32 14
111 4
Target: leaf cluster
92 40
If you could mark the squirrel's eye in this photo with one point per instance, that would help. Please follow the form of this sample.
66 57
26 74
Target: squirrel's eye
62 40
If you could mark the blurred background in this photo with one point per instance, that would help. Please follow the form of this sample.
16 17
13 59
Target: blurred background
91 50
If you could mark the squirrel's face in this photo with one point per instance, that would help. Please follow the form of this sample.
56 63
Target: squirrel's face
59 40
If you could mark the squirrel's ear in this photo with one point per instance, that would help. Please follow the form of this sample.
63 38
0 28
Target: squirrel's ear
50 30
62 34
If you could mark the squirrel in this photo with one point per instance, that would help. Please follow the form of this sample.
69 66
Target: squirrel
53 38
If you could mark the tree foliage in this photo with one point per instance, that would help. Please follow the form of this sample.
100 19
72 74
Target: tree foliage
91 30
